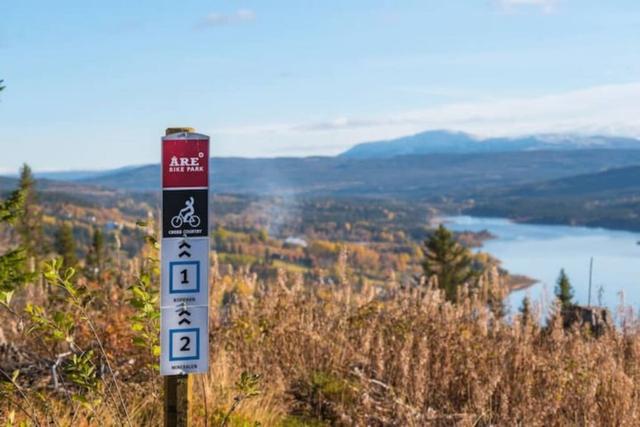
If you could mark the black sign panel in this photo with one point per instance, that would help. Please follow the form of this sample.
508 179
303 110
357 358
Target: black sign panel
185 213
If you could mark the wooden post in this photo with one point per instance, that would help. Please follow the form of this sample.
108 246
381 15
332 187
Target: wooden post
590 278
177 388
177 400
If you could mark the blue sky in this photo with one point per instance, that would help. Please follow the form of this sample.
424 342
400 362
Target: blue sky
92 85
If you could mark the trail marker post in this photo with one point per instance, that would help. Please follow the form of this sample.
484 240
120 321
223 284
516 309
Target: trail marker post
184 301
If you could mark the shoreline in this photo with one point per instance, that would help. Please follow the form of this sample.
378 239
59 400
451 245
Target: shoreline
555 223
476 239
520 282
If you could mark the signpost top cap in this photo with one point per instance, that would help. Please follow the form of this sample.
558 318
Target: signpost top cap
171 131
184 133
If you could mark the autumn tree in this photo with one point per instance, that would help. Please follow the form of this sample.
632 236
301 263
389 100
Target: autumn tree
449 261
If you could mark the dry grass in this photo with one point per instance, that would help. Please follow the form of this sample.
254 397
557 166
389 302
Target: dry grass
352 354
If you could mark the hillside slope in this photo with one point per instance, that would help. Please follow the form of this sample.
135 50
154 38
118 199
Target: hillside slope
608 199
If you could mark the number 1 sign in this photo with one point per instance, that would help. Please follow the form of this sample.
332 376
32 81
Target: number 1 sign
184 335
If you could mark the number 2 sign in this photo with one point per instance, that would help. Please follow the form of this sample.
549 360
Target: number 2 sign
183 340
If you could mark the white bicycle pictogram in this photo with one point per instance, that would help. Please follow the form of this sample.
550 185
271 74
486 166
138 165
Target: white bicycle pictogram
186 216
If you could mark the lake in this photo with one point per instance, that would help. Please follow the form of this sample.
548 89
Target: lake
540 251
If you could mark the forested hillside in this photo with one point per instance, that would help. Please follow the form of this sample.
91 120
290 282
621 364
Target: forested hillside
415 177
608 199
588 187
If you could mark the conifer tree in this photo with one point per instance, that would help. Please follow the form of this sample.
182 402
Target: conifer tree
449 261
66 246
96 256
13 264
29 223
564 290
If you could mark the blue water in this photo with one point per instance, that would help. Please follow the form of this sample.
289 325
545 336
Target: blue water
540 251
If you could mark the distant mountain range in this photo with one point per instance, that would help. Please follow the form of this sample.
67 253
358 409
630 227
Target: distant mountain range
80 174
428 164
442 141
421 144
589 180
415 166
415 177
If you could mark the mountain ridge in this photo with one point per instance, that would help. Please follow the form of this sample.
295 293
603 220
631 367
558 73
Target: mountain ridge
423 143
405 176
445 141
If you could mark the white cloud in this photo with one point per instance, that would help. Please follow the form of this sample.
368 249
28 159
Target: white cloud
608 110
547 6
220 19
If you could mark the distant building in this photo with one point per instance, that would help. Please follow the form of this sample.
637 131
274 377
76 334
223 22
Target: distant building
296 242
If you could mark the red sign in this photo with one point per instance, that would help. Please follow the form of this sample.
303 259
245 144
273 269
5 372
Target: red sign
185 162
